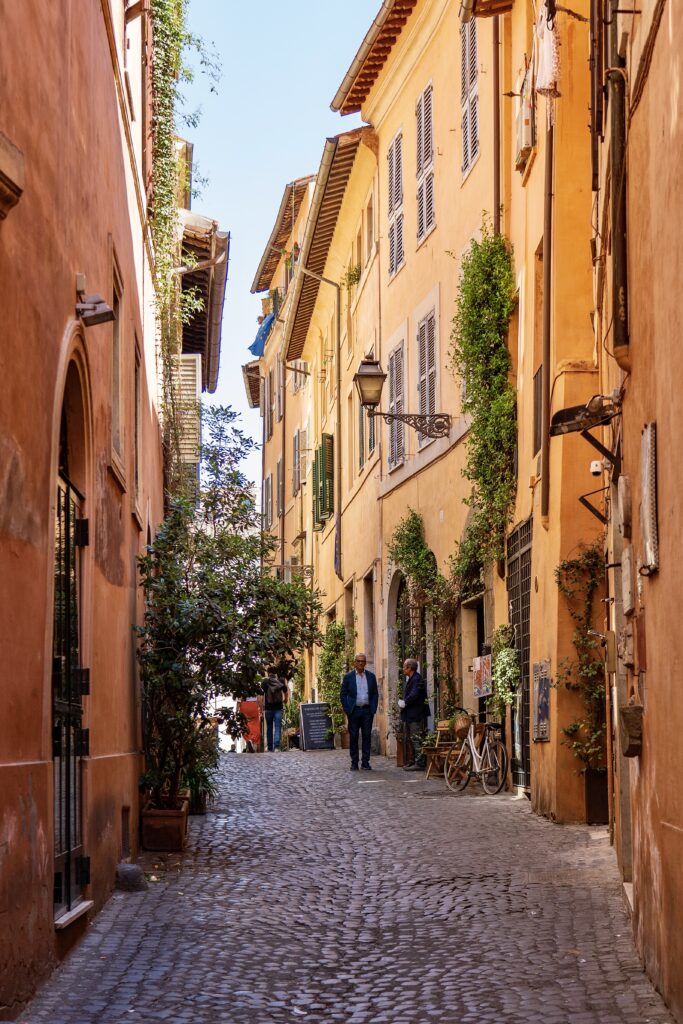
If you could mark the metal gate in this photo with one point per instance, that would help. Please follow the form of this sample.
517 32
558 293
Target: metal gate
69 683
519 601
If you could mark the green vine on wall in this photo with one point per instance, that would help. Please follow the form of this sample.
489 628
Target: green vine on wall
336 655
481 359
506 671
579 580
175 306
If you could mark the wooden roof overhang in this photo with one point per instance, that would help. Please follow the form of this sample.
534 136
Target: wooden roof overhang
204 243
372 55
292 198
484 8
335 170
252 383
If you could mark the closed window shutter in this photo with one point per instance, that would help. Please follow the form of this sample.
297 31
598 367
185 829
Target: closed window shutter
465 138
296 465
469 95
390 161
474 126
431 364
430 214
279 488
371 434
278 387
399 405
398 172
317 522
392 408
472 61
190 381
422 368
361 436
399 241
428 131
419 117
303 456
421 209
464 64
327 502
392 248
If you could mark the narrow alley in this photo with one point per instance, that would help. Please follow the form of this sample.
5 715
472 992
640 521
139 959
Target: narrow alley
312 893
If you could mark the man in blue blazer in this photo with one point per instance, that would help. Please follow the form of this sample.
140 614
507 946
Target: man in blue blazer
359 697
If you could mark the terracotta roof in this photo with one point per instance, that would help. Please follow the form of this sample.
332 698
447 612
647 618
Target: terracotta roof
252 383
336 165
292 199
372 55
484 8
206 244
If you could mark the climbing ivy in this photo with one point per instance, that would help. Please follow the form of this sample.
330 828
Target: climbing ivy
481 359
579 580
506 672
336 655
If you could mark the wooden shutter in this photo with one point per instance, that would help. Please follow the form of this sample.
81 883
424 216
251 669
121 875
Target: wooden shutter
419 117
371 435
303 456
398 171
428 128
465 138
279 488
361 436
390 161
464 64
472 55
190 391
399 241
422 368
278 388
392 408
399 404
327 504
296 465
431 364
317 521
430 214
474 126
392 248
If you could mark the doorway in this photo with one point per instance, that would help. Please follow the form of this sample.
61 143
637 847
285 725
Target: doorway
519 603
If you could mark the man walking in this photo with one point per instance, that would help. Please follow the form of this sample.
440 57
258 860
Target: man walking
414 712
275 694
359 697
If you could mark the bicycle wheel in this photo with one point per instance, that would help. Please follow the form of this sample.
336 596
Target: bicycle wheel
495 767
458 767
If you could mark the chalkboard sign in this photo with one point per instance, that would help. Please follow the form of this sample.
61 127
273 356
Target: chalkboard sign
316 727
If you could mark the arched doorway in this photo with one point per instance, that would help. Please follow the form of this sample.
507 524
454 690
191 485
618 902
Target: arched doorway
70 681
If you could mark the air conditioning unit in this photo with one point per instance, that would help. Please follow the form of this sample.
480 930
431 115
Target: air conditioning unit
525 125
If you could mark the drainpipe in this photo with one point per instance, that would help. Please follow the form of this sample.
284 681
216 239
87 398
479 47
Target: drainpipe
547 306
496 125
283 460
616 78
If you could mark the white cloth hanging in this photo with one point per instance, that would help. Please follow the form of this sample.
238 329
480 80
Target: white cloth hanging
548 50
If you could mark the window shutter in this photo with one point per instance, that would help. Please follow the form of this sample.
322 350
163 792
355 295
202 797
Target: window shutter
422 366
419 117
279 504
371 434
431 364
278 388
317 522
296 465
472 63
392 408
190 391
430 213
303 456
465 139
398 403
474 127
361 436
398 171
399 241
392 248
390 161
428 128
421 209
327 507
262 397
464 63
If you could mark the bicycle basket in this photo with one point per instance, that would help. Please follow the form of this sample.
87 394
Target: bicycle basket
461 726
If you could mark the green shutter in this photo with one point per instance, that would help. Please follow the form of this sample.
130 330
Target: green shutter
317 525
327 477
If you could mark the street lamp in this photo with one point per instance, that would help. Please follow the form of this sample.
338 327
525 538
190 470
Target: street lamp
369 380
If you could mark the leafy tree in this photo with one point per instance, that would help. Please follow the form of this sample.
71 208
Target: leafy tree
215 614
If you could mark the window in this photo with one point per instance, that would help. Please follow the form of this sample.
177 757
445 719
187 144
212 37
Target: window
395 161
469 95
425 163
269 404
279 484
538 409
116 440
298 460
426 348
267 502
369 231
323 482
396 405
361 436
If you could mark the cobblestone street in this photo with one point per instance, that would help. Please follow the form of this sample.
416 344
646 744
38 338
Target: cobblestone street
315 893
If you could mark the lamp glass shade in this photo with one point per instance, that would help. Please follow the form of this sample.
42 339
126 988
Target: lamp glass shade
369 380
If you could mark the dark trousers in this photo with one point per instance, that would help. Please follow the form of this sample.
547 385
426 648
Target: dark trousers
360 720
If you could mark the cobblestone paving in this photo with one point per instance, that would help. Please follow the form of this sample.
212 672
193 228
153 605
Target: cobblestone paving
314 893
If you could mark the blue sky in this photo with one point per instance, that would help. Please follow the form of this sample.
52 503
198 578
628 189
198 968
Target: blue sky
281 66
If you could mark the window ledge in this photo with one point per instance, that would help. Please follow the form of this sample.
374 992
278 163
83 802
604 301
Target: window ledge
64 920
137 517
115 468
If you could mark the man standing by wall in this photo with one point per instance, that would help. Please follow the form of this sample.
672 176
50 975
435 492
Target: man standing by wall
414 711
359 697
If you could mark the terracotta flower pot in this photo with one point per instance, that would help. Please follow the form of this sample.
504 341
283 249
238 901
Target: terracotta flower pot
164 829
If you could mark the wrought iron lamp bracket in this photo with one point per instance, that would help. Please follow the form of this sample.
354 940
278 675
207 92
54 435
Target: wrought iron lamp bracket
436 425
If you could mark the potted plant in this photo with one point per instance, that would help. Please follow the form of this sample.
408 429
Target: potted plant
579 580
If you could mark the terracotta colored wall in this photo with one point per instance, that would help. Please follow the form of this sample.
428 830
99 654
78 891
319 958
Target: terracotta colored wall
653 394
58 104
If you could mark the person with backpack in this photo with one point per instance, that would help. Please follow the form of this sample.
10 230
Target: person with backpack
275 695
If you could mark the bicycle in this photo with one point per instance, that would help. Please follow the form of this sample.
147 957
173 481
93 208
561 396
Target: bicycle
489 764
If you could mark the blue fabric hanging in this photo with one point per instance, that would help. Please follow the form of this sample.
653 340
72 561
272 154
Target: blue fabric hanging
259 343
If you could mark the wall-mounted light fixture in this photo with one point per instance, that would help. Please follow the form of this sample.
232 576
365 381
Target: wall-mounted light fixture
91 309
369 380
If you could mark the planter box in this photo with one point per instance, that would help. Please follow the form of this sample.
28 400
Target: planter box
164 829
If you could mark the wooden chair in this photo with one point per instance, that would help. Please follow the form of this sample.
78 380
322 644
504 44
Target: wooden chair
436 755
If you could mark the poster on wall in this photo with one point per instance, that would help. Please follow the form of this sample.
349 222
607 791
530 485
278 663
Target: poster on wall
541 698
481 675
